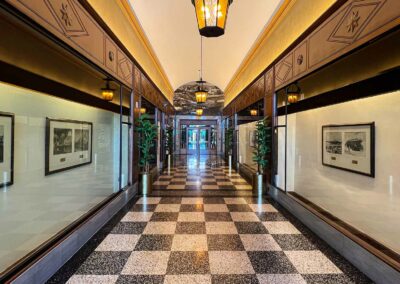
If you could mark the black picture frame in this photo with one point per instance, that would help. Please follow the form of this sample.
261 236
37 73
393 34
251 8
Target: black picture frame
12 118
49 121
371 127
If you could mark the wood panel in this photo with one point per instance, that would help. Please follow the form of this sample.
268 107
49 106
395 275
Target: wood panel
70 22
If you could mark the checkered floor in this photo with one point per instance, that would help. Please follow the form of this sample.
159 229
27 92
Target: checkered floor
200 177
206 240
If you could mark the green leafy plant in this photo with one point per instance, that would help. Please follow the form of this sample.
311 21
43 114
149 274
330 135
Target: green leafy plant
263 145
228 141
169 141
147 135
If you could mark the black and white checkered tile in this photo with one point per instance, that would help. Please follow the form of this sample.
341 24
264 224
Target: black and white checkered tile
206 240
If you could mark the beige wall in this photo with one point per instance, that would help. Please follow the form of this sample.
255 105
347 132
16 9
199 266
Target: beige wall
293 19
118 16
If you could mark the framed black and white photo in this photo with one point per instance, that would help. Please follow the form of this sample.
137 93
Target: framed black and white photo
6 149
349 147
68 144
252 138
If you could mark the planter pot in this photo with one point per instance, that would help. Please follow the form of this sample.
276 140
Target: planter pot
258 184
146 182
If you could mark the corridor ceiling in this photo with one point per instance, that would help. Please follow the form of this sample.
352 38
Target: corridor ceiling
171 28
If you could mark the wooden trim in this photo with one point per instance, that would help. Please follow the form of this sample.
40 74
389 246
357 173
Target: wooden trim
19 77
380 84
302 37
111 34
384 253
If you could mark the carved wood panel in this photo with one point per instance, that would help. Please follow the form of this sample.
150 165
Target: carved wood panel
269 81
70 22
284 70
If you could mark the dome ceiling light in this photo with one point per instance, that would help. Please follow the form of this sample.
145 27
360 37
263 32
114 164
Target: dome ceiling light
211 16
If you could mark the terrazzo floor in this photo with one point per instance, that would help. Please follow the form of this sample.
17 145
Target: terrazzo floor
204 239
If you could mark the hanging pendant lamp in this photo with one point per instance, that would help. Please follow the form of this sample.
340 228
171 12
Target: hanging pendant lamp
211 16
201 93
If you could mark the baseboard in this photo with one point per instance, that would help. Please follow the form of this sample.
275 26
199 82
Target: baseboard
46 266
377 270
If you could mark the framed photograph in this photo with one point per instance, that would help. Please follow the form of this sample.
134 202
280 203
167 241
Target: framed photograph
68 144
252 138
349 147
6 149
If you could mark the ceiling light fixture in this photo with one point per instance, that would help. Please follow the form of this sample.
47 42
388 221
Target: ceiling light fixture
253 112
107 92
199 111
201 94
211 16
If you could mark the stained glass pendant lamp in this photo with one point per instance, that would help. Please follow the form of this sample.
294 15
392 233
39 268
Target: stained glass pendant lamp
211 16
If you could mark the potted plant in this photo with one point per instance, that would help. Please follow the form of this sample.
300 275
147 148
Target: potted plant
229 144
169 142
147 135
261 154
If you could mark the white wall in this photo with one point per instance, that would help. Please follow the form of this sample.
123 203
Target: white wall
372 205
245 150
36 206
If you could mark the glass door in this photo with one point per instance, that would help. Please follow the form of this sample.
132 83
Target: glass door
192 140
204 140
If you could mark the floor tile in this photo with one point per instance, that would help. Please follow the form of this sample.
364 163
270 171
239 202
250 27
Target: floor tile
195 200
160 228
104 263
191 217
217 216
243 187
250 228
192 208
244 217
190 242
118 242
239 208
271 216
235 279
213 200
215 208
238 200
154 243
224 243
164 217
271 262
176 186
129 228
168 208
209 187
281 279
188 262
230 262
149 200
188 279
294 242
262 208
328 279
190 228
259 243
171 200
139 279
147 263
220 228
93 279
312 262
143 207
281 227
137 217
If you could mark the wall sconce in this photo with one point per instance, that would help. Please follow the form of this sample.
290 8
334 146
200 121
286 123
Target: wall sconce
253 112
293 93
142 110
107 92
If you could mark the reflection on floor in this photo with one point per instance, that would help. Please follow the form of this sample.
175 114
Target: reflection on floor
206 240
203 175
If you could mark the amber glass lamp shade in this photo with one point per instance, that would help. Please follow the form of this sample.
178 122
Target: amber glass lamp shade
211 16
201 96
107 93
142 110
199 112
253 112
293 92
